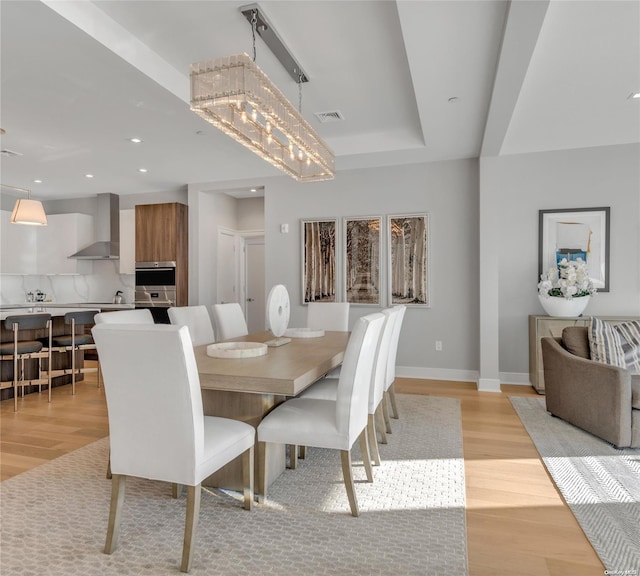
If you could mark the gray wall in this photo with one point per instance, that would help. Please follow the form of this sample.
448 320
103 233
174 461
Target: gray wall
521 185
448 192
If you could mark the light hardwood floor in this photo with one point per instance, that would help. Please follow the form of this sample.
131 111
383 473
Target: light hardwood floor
517 522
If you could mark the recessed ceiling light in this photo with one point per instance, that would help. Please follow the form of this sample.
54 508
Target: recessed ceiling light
254 189
136 140
635 95
143 170
88 175
38 181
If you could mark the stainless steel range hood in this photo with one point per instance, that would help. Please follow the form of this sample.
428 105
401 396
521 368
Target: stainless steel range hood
107 229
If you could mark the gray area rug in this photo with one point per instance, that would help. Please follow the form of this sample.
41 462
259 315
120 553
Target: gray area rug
412 518
600 484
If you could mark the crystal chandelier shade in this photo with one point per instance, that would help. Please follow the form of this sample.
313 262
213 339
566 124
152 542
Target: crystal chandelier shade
236 96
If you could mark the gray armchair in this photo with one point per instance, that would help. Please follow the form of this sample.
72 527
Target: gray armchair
601 399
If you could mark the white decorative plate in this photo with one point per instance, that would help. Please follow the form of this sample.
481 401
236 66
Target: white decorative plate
303 333
278 309
237 349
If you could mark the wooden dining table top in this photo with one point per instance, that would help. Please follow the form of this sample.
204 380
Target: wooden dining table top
285 370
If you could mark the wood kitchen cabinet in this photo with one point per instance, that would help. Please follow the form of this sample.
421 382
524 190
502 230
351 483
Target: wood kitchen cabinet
162 235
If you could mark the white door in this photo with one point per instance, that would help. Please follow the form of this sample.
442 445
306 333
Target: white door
254 279
227 267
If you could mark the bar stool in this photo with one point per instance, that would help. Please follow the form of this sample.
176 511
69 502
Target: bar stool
21 350
75 342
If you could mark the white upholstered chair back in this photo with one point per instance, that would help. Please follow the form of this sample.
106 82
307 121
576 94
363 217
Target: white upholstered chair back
328 316
378 379
352 399
393 349
197 319
229 321
153 399
138 316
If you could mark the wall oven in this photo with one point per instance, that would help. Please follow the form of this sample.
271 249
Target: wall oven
156 288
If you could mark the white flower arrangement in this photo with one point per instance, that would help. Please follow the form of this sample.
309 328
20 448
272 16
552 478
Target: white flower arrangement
566 280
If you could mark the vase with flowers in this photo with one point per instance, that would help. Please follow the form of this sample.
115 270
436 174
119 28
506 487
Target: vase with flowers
565 290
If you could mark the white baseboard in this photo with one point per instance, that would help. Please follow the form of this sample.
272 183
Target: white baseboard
484 384
519 378
437 373
489 385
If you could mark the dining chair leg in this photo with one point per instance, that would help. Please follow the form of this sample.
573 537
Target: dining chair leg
345 456
115 510
293 456
366 455
381 425
176 490
190 526
392 397
385 412
262 472
109 476
373 441
247 478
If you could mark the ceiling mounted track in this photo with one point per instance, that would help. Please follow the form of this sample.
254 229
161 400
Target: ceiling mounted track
271 38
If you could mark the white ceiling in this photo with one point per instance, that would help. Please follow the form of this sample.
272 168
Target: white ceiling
80 78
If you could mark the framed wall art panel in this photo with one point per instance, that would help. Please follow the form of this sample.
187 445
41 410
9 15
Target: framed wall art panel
576 233
409 260
319 241
362 260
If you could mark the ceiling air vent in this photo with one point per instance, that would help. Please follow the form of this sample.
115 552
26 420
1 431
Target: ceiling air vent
333 116
9 153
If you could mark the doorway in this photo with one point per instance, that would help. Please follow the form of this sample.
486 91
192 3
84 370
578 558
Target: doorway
254 284
227 268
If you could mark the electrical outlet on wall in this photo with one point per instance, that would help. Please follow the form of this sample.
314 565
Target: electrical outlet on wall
438 345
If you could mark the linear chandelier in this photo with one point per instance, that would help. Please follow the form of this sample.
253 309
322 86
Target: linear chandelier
237 97
27 211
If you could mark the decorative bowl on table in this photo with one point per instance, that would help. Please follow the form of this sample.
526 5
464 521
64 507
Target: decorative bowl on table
303 333
237 349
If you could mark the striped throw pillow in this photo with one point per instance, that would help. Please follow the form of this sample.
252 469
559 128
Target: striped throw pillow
604 343
629 333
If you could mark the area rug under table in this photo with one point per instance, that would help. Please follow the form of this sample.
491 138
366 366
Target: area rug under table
600 483
412 517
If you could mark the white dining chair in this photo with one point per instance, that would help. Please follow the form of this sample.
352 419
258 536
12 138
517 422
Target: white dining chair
333 424
389 389
157 429
137 316
328 316
229 320
327 388
197 319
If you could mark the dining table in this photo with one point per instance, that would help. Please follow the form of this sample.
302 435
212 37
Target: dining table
248 388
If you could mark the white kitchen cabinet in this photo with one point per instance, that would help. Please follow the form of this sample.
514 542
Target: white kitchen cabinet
18 250
127 261
64 235
31 250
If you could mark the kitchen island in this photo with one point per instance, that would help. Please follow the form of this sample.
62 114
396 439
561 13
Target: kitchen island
59 361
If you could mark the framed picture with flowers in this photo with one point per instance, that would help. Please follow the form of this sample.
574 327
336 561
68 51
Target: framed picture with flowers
575 234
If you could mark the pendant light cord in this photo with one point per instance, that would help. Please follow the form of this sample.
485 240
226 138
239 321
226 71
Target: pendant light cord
254 25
